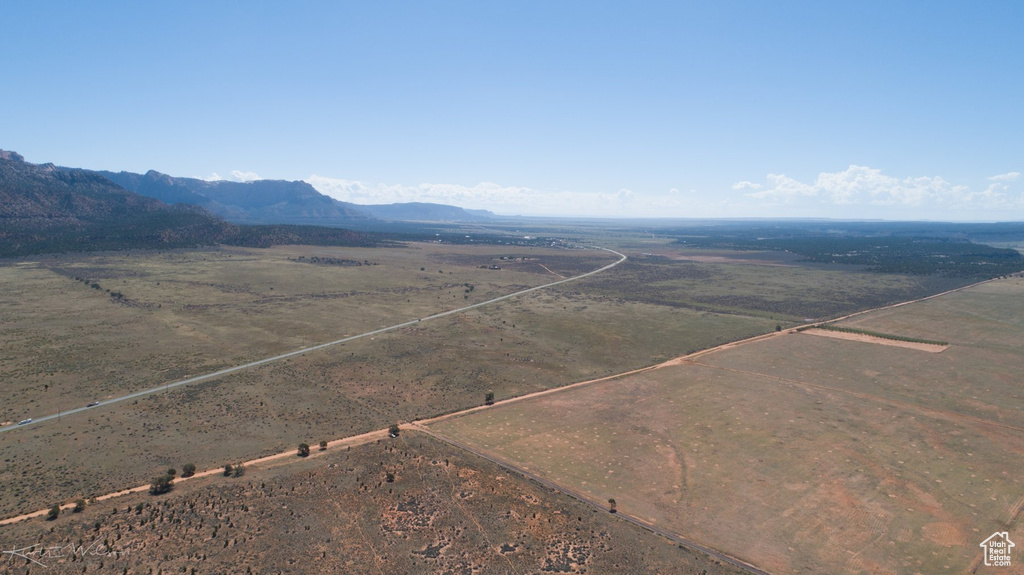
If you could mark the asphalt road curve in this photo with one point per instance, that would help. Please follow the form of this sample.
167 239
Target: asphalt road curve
226 371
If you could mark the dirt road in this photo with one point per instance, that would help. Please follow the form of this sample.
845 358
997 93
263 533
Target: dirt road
420 425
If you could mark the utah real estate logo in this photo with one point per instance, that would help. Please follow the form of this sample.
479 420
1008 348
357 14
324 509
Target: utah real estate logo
997 549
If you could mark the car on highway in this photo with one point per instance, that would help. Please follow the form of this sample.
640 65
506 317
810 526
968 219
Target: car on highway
93 404
24 421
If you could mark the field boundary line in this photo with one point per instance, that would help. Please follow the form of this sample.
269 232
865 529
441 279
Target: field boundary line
875 340
551 272
264 361
815 324
472 410
675 538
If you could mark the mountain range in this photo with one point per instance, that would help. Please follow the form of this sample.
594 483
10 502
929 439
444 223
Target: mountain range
281 201
45 209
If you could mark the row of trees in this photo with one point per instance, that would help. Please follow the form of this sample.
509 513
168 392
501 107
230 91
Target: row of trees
55 510
159 485
304 448
164 483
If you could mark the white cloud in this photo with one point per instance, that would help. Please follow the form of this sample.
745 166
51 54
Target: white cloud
236 176
1007 177
746 186
512 200
856 192
244 176
862 186
509 200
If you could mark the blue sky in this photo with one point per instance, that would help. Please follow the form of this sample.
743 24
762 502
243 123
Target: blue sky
910 110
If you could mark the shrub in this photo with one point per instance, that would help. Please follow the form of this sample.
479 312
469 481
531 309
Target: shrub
188 470
54 512
303 450
161 484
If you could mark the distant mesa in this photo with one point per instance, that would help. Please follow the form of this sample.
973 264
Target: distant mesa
421 211
281 202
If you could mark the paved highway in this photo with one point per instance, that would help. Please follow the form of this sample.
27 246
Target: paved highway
226 371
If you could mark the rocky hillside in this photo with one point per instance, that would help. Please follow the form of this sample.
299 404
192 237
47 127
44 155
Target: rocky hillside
48 209
43 195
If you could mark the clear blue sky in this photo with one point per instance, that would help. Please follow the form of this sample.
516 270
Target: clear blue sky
854 109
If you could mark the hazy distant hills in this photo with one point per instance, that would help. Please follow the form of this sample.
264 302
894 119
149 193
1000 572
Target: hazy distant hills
280 201
420 211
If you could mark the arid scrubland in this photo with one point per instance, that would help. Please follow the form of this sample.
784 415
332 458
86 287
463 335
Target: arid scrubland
90 327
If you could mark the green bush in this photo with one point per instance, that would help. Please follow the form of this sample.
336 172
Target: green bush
161 484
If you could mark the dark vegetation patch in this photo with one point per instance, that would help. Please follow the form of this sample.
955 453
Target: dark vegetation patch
883 248
265 236
328 261
574 262
795 293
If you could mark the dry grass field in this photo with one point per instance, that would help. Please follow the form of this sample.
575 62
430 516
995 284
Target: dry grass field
978 375
444 512
67 344
185 313
191 312
804 454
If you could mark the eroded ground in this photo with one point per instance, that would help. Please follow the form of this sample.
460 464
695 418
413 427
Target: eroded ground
444 512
